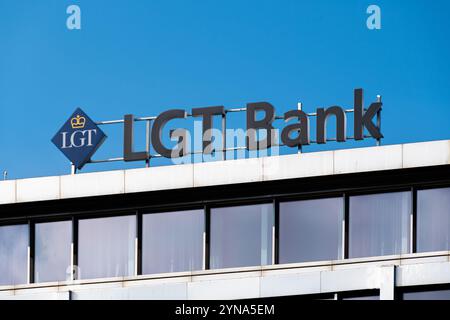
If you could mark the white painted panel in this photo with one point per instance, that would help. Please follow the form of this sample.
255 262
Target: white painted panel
422 274
101 294
228 172
350 280
387 283
424 260
368 159
37 189
169 291
38 296
159 178
298 165
6 294
426 154
224 289
225 275
7 192
92 184
291 284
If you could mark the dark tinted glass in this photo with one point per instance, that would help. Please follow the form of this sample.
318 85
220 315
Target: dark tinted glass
427 295
241 236
173 241
106 247
311 230
433 220
52 252
13 254
379 224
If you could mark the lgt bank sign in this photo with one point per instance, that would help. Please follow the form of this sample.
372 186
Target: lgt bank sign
80 137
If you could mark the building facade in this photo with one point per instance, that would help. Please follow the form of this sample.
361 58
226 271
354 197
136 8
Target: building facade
368 223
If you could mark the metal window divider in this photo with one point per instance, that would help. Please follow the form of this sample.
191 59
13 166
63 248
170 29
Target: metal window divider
207 238
276 233
75 270
413 222
31 251
138 245
346 228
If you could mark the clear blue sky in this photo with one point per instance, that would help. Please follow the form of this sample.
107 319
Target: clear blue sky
144 57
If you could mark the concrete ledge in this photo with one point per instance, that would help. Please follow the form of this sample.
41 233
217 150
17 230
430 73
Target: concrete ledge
368 159
298 166
92 184
227 172
159 178
424 154
7 192
423 273
37 189
252 282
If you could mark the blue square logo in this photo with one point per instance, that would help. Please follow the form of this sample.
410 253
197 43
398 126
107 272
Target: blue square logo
79 138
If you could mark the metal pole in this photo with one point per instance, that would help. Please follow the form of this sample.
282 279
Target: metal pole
147 142
73 169
224 135
379 120
299 107
5 175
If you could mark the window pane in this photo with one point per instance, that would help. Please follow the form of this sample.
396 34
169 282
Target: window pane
311 230
172 241
13 254
433 221
52 252
427 295
241 236
362 297
106 247
379 224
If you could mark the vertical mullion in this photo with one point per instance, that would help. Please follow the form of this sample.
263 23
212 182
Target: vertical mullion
74 267
413 231
276 233
207 239
138 261
346 231
31 251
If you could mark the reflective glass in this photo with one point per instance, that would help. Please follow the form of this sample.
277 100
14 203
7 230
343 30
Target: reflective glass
53 250
379 224
427 295
241 236
106 247
311 230
433 220
172 241
13 254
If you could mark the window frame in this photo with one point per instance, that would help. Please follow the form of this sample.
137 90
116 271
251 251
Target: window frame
40 215
340 196
412 214
140 220
242 203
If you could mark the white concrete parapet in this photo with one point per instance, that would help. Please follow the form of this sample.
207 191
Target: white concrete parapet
227 172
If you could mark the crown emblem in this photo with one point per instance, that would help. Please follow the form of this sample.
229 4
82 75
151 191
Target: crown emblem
78 122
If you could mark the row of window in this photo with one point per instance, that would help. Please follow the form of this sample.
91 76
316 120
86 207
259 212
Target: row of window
308 230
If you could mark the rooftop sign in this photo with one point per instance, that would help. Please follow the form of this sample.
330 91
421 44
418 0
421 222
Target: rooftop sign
79 138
